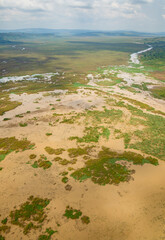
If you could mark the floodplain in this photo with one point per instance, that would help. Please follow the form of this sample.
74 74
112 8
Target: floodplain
82 137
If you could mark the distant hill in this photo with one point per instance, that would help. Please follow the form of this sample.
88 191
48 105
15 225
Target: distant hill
79 32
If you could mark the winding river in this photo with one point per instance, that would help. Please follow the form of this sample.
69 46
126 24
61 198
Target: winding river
134 56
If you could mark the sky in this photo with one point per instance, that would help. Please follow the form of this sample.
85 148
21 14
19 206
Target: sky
136 15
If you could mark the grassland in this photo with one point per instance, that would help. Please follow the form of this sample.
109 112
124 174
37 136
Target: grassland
72 54
6 104
93 134
106 169
30 216
155 59
8 145
71 213
42 162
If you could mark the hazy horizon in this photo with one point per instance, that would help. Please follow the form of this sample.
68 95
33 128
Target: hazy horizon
107 15
77 29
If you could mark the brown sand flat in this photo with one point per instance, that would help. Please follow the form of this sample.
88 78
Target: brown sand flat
133 210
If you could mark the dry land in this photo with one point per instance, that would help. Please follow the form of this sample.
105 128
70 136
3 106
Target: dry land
82 156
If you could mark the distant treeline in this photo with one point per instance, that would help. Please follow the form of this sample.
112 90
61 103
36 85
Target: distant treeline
121 47
3 40
9 38
16 38
79 32
158 51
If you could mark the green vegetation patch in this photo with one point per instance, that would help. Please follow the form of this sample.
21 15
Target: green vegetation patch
158 92
72 213
65 179
135 158
31 214
1 237
137 121
135 102
6 104
48 233
48 134
19 116
93 134
150 140
127 139
85 219
130 89
78 85
23 124
64 173
152 137
4 221
102 172
63 161
42 162
110 82
57 151
107 169
4 229
109 115
35 164
3 154
10 144
73 118
142 86
68 120
6 119
32 156
75 152
155 58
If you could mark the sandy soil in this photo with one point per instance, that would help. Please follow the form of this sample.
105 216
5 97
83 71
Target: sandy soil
134 210
129 79
131 211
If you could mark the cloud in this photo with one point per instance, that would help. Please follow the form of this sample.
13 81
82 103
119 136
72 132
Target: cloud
73 12
49 5
141 1
80 4
115 9
24 5
79 13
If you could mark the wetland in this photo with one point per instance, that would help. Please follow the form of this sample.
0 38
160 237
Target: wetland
82 137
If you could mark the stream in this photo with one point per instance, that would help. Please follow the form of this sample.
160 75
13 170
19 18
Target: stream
134 56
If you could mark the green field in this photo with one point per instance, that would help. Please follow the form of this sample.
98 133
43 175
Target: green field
74 54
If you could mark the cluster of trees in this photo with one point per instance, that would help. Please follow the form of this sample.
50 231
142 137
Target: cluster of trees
158 51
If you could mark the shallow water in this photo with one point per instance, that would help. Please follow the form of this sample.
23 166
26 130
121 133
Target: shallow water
134 56
47 76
